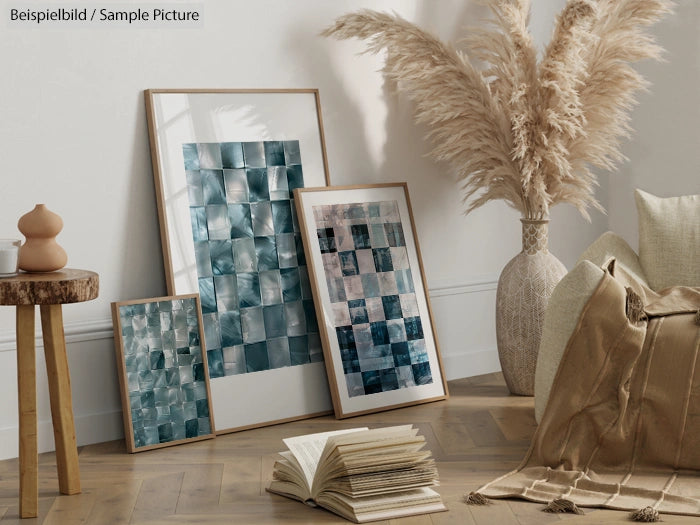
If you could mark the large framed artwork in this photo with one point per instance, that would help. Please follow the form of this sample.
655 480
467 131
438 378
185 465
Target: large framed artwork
226 163
380 345
163 375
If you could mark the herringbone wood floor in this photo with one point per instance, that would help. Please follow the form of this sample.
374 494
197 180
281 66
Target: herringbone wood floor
478 434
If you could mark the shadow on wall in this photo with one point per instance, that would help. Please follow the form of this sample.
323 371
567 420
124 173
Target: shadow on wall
349 124
142 258
349 149
407 148
492 230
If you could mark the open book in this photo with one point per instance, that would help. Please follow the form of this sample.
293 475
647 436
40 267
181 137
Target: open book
362 475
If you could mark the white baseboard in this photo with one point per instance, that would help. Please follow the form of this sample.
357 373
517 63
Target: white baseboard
108 426
471 364
95 428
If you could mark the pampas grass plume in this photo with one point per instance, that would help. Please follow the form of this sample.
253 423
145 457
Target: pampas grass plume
519 130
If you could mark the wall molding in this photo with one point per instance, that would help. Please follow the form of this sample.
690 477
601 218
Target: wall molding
75 332
471 364
108 425
447 288
80 331
89 429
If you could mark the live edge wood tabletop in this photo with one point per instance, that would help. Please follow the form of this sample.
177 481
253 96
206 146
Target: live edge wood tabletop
50 291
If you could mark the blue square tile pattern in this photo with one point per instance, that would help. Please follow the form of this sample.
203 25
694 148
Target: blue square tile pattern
157 386
251 269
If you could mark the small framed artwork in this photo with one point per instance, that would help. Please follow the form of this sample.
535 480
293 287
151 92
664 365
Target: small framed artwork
226 164
163 376
379 341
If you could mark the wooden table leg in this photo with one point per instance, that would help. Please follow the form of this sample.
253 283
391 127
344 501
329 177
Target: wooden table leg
60 397
26 387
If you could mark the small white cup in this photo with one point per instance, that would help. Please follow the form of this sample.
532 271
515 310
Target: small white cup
9 255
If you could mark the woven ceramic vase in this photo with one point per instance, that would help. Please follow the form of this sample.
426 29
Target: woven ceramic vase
41 252
524 288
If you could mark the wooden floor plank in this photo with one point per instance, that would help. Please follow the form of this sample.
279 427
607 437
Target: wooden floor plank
457 513
114 503
528 513
480 433
616 517
11 516
241 479
201 488
482 429
71 510
496 513
157 497
516 423
452 436
412 520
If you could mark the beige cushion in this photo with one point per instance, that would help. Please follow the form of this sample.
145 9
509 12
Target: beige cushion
611 245
669 239
560 319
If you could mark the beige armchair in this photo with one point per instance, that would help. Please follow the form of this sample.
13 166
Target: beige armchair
669 255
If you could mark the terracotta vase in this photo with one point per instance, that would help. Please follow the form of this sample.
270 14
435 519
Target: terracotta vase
524 288
41 252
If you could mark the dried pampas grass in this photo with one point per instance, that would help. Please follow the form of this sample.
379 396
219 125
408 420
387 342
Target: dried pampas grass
522 131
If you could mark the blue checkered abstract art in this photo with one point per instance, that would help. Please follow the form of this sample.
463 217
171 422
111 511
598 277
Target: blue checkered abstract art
164 372
253 281
375 312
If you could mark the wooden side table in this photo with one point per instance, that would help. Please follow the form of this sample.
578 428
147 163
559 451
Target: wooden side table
49 291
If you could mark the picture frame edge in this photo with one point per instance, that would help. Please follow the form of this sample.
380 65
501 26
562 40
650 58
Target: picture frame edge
421 267
121 371
320 314
158 187
207 378
338 409
162 215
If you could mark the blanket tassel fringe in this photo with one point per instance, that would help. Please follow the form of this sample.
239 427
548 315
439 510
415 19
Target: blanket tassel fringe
634 307
474 498
562 505
646 515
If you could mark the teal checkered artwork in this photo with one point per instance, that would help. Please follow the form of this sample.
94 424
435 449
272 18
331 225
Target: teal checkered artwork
164 372
253 281
370 284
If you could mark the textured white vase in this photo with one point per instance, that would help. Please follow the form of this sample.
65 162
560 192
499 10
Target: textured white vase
524 288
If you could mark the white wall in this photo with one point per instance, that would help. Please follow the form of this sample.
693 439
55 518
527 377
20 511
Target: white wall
665 150
73 136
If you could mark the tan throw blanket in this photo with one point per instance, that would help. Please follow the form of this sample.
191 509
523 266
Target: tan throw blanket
622 425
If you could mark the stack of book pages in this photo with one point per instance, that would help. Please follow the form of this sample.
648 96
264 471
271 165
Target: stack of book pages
360 474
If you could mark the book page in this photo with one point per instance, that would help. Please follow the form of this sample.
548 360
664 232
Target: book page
308 449
384 507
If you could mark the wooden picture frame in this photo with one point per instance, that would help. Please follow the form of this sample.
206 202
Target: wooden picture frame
163 376
225 164
379 340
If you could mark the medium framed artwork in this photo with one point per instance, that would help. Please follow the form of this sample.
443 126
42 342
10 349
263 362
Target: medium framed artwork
226 164
163 375
379 341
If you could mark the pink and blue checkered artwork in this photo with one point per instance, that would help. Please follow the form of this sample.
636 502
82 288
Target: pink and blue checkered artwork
370 284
